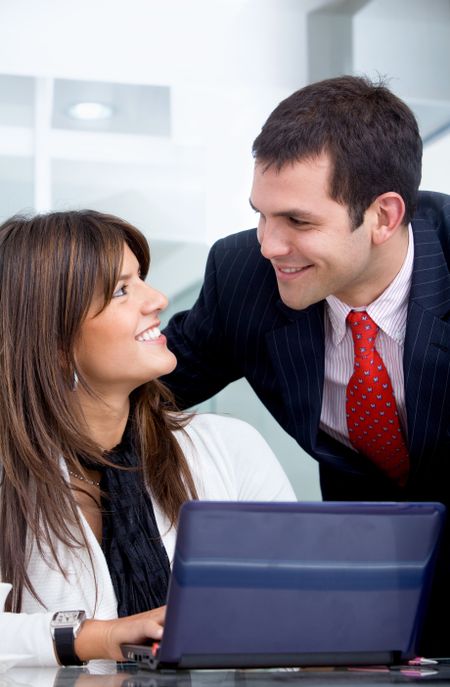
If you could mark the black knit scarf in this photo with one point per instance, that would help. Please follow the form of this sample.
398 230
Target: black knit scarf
136 557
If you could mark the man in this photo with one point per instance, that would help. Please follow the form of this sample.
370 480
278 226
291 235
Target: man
336 309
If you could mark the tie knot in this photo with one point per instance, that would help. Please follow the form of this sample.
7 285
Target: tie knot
364 332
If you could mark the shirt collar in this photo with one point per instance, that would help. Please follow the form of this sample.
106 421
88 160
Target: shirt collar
388 311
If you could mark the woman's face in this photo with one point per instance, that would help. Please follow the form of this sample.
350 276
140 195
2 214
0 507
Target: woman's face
121 347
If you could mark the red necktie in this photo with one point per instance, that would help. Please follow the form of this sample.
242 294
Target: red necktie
372 416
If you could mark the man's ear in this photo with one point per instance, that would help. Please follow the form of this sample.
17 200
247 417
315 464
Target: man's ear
388 210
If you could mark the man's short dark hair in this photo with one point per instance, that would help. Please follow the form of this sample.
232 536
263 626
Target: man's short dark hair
370 135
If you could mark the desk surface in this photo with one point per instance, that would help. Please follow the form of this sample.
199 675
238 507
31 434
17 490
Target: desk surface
129 676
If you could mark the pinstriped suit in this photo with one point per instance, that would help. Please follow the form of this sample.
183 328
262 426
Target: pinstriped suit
240 328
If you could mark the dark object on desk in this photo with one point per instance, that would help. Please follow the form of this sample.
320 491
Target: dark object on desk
285 584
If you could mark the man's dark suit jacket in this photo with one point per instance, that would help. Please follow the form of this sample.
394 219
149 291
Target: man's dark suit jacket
239 327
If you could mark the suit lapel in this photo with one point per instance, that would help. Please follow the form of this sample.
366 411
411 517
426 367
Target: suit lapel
427 348
297 352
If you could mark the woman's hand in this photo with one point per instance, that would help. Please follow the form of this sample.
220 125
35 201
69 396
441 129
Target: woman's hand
102 638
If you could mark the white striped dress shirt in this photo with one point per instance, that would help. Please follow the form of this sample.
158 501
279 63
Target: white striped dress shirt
389 312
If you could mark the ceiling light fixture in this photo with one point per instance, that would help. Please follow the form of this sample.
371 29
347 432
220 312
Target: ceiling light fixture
90 111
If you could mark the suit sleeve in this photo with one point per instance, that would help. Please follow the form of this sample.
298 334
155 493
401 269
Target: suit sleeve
198 338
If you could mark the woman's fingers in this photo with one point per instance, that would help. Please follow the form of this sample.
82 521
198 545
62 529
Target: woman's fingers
133 630
157 614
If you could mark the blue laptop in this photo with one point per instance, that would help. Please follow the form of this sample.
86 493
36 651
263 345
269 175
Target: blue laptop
296 584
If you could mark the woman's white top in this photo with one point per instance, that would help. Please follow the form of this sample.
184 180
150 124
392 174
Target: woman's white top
229 460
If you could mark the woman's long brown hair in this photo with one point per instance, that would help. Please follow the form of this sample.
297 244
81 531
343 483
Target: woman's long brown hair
50 266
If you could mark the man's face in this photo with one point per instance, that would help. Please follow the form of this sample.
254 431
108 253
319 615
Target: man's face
308 237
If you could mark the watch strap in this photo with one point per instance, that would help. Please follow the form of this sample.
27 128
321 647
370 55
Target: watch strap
64 645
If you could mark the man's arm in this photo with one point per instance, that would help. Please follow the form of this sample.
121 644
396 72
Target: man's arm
198 339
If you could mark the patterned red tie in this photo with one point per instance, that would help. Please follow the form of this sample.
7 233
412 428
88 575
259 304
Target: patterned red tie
372 416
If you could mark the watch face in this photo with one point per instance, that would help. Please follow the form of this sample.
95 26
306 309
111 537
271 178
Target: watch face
67 617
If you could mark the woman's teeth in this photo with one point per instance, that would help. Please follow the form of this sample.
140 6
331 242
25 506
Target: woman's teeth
149 334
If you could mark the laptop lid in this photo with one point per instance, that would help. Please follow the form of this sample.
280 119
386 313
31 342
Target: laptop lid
282 584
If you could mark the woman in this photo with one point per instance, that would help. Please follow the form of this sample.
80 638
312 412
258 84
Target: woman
95 461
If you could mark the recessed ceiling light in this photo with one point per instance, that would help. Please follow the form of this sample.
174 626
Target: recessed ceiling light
89 111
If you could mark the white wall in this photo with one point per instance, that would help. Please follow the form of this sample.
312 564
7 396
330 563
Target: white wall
226 61
408 41
436 167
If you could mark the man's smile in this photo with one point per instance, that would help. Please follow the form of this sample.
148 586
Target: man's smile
288 272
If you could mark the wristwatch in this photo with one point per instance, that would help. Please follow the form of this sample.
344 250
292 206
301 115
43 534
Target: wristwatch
65 626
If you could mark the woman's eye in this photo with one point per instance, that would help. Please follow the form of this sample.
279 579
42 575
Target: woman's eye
121 291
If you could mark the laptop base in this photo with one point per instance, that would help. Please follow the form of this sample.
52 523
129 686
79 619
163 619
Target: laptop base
146 659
